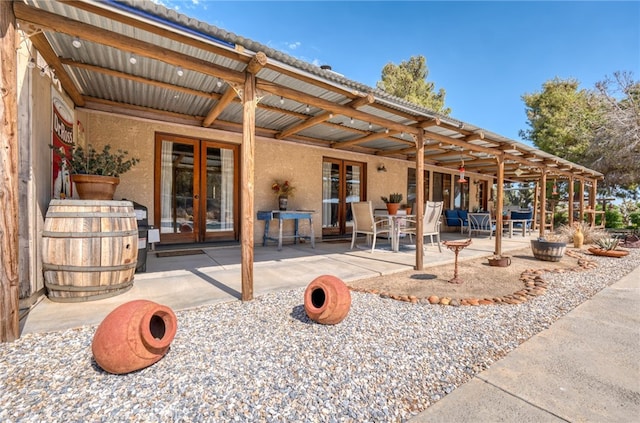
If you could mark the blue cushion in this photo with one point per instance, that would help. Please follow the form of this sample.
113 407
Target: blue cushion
453 217
515 215
463 214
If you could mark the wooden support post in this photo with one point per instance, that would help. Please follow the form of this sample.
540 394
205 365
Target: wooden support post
543 203
9 282
249 104
499 205
581 200
419 206
592 202
571 183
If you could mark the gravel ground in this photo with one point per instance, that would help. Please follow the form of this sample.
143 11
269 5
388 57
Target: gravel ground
266 361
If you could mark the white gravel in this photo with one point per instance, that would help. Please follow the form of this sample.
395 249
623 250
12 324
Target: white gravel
265 361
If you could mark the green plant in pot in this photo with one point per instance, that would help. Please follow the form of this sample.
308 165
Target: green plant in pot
96 174
392 202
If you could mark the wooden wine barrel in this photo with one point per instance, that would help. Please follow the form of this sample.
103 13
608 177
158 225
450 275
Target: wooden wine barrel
89 249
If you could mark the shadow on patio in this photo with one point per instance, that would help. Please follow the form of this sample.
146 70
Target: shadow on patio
187 281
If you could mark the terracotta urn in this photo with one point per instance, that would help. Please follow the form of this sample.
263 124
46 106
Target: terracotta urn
95 187
133 336
327 300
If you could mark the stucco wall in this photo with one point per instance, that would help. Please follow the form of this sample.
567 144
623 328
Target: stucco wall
301 164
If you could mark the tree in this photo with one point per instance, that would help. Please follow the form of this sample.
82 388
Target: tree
614 149
562 118
599 128
408 81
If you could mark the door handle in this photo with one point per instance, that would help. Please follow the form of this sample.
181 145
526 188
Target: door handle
195 197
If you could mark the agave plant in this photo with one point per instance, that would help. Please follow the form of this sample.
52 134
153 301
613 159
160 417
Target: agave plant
607 243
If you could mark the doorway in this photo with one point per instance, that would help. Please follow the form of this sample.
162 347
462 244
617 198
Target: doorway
343 182
196 190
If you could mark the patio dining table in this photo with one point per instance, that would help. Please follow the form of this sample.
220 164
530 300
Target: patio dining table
396 222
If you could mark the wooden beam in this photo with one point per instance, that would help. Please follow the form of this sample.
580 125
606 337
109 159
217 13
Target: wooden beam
213 114
474 137
429 123
461 143
312 121
256 63
210 46
140 79
9 225
57 23
329 106
42 45
371 137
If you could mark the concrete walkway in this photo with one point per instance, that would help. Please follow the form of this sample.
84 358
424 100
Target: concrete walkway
584 368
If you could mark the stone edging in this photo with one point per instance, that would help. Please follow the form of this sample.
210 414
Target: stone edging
534 286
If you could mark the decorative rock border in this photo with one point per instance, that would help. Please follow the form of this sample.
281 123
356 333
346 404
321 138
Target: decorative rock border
534 286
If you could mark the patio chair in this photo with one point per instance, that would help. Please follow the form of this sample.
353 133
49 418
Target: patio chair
430 222
522 215
364 223
481 222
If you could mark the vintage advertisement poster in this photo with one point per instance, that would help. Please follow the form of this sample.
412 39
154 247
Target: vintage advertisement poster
61 139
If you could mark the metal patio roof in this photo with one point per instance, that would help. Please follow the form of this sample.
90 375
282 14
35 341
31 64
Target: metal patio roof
186 71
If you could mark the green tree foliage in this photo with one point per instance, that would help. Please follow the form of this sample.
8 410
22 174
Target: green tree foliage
598 128
562 118
408 80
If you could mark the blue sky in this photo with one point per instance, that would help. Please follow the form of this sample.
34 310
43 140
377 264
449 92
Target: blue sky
486 55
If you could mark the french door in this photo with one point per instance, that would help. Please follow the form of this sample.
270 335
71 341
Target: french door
196 190
343 182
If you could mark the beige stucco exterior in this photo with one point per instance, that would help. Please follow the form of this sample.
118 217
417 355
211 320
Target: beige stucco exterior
274 160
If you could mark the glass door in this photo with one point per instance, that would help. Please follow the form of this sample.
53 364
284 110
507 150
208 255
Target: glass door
343 182
196 196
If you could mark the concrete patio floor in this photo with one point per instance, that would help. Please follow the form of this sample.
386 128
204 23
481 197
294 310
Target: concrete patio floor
183 282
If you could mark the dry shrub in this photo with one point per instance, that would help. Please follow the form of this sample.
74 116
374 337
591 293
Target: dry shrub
565 232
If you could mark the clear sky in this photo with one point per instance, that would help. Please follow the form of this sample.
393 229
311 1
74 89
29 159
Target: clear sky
486 55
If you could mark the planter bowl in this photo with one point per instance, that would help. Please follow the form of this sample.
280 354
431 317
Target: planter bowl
95 187
548 251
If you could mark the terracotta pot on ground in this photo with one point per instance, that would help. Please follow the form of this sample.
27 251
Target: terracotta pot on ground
500 261
133 336
327 300
95 187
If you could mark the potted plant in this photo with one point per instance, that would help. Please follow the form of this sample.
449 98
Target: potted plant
407 207
549 248
95 174
393 202
283 190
